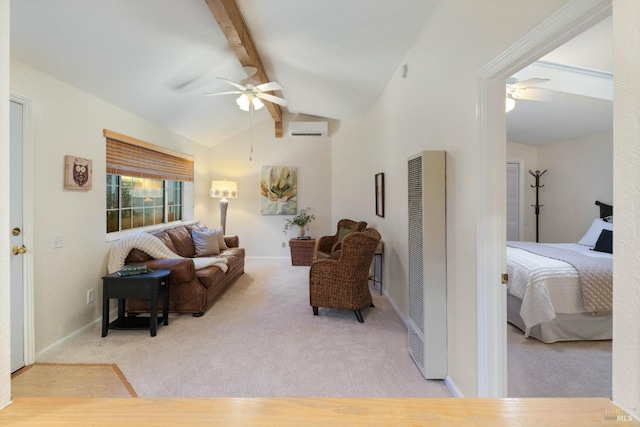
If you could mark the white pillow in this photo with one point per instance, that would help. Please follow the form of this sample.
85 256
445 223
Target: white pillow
221 244
206 242
591 236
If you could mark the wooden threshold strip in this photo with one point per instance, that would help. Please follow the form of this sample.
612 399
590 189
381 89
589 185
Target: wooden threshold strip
310 412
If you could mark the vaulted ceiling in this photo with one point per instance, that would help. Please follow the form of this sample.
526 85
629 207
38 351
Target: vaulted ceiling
156 58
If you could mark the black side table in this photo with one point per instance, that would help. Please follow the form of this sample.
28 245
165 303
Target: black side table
149 285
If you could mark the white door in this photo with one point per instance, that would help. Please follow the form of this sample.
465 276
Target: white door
513 201
16 233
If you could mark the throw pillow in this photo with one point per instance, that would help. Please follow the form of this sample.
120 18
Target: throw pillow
343 232
592 234
221 243
605 242
206 242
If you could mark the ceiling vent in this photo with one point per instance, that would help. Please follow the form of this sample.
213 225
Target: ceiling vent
308 128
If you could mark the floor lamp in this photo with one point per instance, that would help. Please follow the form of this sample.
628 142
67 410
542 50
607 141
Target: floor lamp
222 190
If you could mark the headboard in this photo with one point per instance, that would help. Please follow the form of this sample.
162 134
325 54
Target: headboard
605 210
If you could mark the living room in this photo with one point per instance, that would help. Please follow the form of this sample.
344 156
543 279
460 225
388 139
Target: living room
335 175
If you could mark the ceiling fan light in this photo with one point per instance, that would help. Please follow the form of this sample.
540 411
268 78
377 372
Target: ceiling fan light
243 102
257 104
510 104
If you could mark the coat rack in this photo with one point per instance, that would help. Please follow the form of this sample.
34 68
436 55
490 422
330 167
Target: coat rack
537 174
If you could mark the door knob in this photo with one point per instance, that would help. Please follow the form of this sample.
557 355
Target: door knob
19 250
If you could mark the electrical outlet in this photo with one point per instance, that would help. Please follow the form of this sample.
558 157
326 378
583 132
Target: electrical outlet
90 296
284 244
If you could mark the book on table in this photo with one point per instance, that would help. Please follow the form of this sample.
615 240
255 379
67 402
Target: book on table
133 269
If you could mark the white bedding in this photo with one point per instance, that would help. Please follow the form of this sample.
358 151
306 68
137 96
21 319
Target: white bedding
546 286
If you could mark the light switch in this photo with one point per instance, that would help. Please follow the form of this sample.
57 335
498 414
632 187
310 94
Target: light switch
58 241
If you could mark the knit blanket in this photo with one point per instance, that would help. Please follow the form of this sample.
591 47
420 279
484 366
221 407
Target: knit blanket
596 274
155 248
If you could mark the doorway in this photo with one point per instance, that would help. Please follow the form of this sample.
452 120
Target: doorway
21 234
570 20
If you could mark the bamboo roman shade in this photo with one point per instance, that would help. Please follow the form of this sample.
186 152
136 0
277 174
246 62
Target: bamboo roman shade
132 157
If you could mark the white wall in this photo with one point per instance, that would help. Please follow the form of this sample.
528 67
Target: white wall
262 235
579 172
528 155
434 109
5 328
69 121
626 193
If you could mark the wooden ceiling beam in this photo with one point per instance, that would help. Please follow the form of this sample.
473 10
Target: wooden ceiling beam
228 16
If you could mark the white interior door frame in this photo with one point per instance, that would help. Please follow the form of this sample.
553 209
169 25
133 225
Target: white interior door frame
28 224
570 20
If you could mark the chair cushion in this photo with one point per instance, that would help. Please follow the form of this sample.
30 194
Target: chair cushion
343 232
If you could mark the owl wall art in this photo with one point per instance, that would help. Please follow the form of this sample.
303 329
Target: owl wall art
78 173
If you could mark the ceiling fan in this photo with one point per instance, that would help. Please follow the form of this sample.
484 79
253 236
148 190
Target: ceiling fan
526 90
251 92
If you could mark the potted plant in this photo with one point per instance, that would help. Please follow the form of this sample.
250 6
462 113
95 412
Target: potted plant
301 220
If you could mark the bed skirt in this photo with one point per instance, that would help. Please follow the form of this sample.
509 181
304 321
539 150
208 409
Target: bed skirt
565 327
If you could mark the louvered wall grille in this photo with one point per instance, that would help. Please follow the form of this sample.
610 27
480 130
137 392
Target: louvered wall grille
416 267
427 278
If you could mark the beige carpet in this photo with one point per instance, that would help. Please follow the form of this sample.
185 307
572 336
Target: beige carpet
561 369
261 340
64 380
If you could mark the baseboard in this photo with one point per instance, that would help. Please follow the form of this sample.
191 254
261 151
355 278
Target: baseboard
453 388
402 317
51 348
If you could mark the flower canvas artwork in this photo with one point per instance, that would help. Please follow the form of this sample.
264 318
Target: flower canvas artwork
279 190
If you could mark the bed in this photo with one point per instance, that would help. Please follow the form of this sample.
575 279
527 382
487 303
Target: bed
563 291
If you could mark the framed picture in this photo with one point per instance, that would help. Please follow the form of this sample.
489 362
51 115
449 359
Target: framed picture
78 173
380 194
279 190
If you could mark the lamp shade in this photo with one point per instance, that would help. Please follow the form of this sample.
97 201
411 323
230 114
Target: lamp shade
224 189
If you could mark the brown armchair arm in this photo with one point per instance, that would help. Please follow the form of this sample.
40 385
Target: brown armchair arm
182 269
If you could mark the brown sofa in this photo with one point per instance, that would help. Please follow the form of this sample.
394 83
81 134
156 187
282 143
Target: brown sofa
190 290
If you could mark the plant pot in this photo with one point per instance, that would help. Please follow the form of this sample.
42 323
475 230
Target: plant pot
301 231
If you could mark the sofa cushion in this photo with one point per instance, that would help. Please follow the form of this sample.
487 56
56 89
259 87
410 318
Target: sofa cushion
221 243
164 238
205 242
182 241
210 276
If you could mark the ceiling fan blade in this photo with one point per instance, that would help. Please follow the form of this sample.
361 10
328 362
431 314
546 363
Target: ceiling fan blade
535 94
271 98
223 93
234 84
526 83
268 87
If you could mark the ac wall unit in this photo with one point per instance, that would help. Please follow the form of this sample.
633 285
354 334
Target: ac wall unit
308 128
428 263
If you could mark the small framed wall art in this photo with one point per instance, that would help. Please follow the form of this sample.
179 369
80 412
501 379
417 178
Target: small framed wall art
380 194
78 173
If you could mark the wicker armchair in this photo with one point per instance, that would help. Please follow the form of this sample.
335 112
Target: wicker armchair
342 281
327 244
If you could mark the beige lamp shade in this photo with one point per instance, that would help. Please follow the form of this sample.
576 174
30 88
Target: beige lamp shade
224 189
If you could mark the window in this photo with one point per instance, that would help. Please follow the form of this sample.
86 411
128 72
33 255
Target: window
145 183
139 202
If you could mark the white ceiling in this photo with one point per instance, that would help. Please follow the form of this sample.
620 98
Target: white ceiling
156 58
581 86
